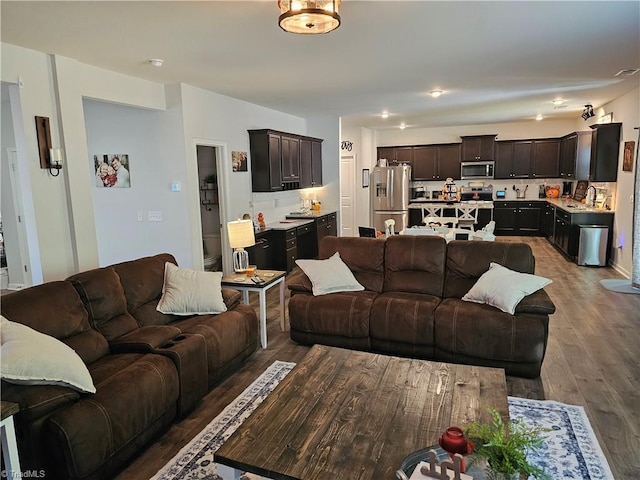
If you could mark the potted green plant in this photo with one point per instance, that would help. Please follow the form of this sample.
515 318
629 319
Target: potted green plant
505 447
210 181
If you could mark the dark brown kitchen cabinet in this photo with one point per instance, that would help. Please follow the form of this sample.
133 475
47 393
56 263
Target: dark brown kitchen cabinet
326 225
513 159
285 249
478 147
517 218
266 160
575 149
605 152
547 220
545 160
262 253
436 162
277 162
290 159
396 154
310 163
566 234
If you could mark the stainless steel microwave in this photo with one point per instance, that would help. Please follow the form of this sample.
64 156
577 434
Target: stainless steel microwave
476 170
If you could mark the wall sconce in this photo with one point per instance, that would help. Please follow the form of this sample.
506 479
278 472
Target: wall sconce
50 158
241 235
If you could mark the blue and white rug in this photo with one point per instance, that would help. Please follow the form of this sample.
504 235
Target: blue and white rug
570 451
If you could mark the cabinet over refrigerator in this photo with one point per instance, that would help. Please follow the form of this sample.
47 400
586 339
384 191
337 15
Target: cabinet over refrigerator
390 196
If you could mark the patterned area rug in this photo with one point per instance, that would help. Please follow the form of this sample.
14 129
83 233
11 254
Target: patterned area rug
570 452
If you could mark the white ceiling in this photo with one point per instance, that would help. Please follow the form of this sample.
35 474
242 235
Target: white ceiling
497 61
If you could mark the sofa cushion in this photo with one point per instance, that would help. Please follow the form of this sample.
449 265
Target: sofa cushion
415 264
404 318
55 309
142 279
503 288
363 256
33 358
469 260
345 313
482 331
103 297
329 276
190 292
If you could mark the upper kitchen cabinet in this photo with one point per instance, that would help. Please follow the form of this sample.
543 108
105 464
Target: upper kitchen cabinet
284 161
574 148
396 154
513 159
478 147
605 150
310 162
290 159
546 158
436 162
266 160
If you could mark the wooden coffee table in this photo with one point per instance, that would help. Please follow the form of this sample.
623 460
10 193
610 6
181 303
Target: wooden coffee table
356 415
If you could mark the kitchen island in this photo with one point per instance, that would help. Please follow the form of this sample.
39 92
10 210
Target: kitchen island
416 209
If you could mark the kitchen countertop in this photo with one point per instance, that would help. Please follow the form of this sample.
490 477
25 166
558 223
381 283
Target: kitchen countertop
288 224
309 214
479 203
573 206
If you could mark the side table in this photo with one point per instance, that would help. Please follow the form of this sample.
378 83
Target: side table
9 445
271 278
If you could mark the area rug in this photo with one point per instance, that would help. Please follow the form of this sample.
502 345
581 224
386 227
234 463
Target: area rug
570 451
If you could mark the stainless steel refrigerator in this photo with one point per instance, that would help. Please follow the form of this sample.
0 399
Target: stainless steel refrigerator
390 196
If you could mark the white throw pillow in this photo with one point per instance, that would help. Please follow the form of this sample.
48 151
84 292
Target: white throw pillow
503 288
330 275
191 292
33 358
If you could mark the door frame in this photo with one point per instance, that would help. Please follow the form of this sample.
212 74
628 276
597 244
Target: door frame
222 170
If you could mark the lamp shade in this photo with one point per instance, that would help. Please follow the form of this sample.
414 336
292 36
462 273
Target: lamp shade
241 233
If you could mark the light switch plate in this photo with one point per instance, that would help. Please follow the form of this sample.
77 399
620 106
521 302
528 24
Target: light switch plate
155 216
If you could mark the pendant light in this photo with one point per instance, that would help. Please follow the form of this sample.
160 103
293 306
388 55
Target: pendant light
309 16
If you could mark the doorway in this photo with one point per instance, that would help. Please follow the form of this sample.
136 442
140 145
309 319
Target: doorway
210 214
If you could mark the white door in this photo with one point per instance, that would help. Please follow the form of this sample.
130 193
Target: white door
347 195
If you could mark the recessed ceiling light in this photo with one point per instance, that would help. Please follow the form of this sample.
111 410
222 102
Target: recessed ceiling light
436 93
384 114
156 62
558 101
403 126
539 117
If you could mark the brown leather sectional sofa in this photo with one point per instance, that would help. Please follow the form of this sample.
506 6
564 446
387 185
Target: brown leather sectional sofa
412 306
148 368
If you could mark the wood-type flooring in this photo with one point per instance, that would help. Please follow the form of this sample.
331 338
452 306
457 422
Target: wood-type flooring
592 360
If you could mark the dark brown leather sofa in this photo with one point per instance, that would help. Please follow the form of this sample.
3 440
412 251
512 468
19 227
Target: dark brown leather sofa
412 306
148 368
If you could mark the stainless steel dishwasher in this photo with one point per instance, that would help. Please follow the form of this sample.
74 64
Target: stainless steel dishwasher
592 248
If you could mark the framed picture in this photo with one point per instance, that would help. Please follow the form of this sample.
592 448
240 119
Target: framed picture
239 161
365 177
112 170
608 118
627 159
581 190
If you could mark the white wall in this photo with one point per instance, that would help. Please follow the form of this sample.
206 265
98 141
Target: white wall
625 109
153 142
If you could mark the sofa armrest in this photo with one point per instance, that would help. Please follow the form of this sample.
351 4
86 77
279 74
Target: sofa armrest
299 282
231 297
144 339
538 302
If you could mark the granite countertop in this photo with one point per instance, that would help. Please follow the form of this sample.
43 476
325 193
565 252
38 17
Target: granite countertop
289 224
450 204
309 214
573 206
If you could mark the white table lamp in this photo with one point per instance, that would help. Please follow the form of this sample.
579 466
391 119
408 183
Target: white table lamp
240 235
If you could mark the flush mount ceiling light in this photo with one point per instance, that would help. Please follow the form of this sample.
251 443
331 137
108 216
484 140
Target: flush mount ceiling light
156 62
539 117
402 126
309 16
557 102
384 115
587 113
436 93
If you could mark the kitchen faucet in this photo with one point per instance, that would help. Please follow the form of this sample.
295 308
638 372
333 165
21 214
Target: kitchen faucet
595 195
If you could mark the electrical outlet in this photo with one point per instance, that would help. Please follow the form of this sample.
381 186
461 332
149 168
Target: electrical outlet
154 216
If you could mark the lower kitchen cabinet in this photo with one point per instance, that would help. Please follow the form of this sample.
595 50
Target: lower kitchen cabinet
547 220
566 234
326 225
261 254
285 249
518 218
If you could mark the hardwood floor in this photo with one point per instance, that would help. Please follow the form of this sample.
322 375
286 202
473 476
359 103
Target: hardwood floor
592 360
